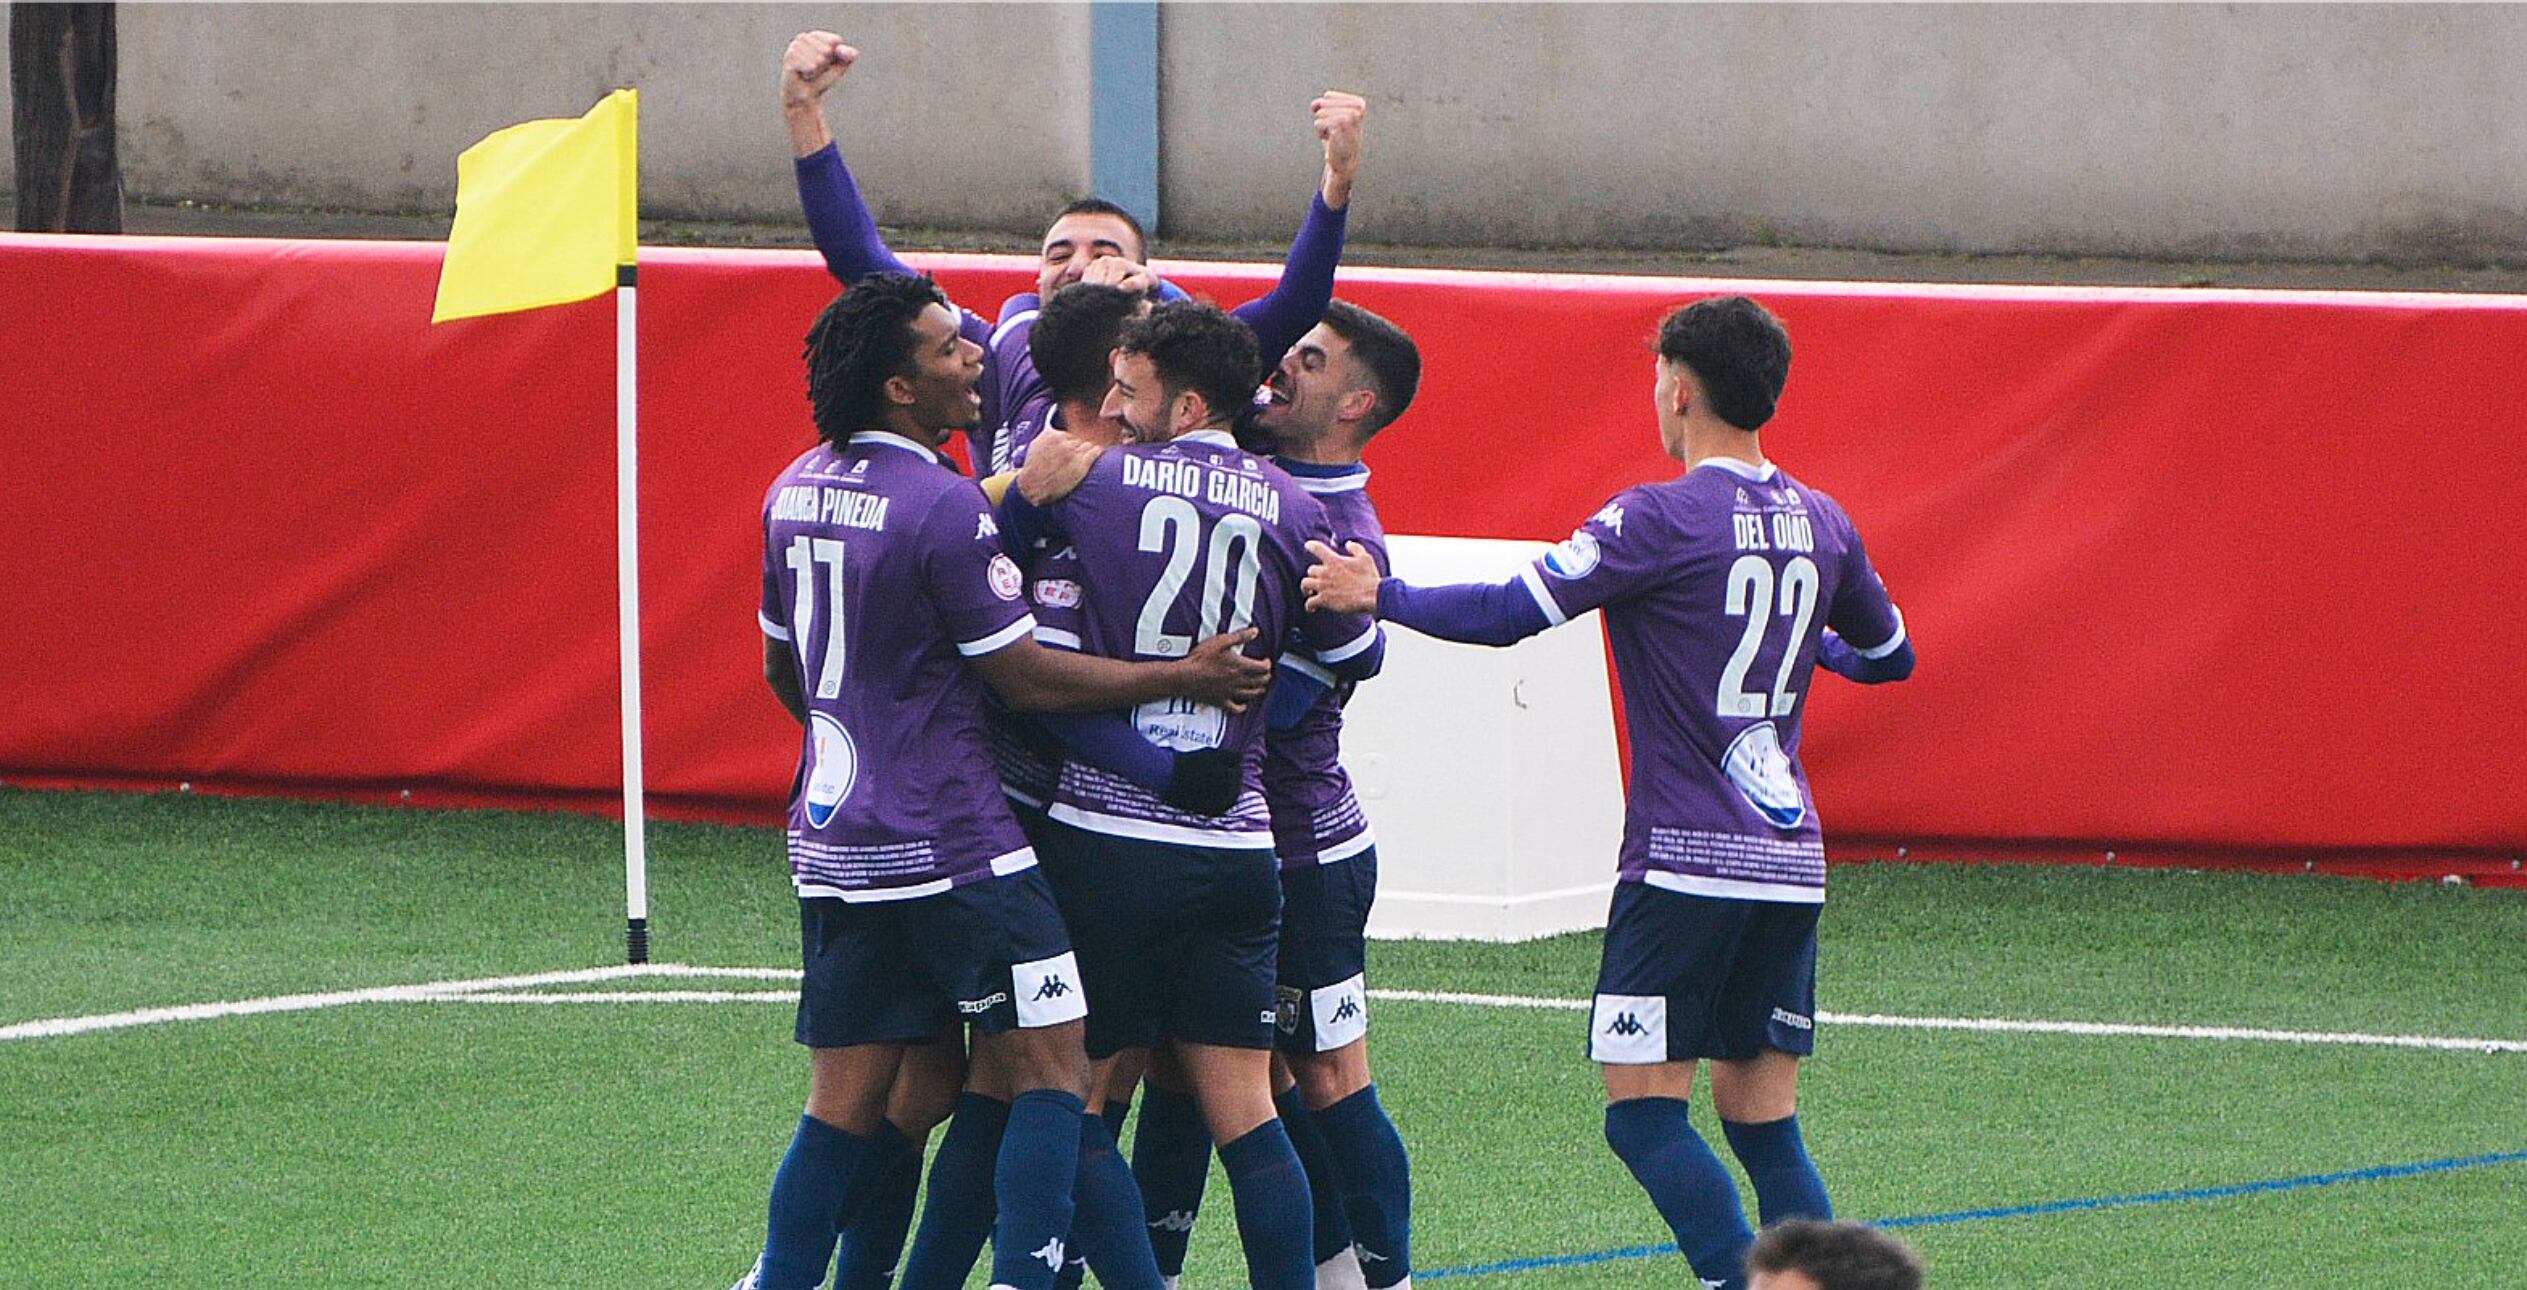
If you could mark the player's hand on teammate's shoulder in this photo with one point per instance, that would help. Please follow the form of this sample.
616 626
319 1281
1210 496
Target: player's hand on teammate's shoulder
1056 463
1342 583
1219 672
1116 271
1339 118
811 65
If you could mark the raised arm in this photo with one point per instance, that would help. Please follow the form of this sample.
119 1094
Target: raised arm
837 217
1298 301
1474 613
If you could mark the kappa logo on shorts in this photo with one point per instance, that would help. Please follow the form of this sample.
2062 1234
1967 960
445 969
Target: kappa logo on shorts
1052 988
1627 1026
1628 1029
1051 1254
1350 1008
1179 1221
1045 993
977 1007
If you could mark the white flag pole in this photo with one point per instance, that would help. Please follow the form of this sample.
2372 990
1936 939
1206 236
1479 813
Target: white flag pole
628 606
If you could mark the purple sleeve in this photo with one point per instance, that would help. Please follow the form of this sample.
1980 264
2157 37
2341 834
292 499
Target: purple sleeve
1023 523
845 232
772 615
1862 613
1622 549
1892 661
1109 741
975 589
1306 286
1475 613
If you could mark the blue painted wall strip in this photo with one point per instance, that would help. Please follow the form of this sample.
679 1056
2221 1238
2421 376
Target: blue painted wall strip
1123 106
2381 1173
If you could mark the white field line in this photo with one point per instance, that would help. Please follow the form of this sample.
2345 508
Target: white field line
516 989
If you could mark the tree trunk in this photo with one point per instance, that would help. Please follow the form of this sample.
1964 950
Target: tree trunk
61 72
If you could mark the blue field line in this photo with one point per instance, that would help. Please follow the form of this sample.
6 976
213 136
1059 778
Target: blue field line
2380 1173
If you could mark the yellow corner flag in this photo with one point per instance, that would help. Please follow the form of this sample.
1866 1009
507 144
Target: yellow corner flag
545 212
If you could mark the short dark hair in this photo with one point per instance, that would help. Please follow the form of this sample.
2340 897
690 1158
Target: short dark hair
862 338
1837 1256
1100 206
1074 335
1386 351
1739 351
1198 347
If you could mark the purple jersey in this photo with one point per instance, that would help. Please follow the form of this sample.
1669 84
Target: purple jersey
1026 755
1715 588
1178 542
1316 818
882 568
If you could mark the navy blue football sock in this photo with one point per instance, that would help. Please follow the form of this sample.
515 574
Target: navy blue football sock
1687 1183
873 1238
1273 1220
1377 1184
1109 1227
961 1208
808 1191
1332 1231
1171 1156
1039 1161
1776 1160
1075 1267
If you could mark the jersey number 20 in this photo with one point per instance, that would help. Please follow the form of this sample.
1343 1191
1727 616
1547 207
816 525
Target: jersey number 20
1172 525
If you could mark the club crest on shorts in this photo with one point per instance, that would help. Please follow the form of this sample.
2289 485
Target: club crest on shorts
1756 763
837 765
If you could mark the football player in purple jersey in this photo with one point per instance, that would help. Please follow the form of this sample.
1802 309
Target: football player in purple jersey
1090 240
1344 381
919 897
1722 590
1179 531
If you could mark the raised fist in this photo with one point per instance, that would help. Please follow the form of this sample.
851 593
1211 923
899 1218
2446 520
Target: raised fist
811 65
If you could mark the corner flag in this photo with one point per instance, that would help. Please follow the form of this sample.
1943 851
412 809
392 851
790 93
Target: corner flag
545 213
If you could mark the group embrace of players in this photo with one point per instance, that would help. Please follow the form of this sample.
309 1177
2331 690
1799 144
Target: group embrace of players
1070 777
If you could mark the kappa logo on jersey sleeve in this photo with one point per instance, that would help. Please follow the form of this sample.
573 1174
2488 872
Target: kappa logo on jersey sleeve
1006 581
1610 515
985 526
1576 557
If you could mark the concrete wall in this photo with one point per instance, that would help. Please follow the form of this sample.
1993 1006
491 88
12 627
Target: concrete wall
2321 131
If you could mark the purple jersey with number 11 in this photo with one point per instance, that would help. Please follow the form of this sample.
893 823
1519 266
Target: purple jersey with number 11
883 571
1715 588
1178 542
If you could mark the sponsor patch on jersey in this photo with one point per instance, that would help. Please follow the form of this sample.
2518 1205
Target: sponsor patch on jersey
1057 593
1181 724
1756 763
837 765
1006 581
1575 558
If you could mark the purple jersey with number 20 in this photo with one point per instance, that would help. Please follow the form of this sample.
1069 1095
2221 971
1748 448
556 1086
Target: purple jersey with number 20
1715 588
883 571
1178 542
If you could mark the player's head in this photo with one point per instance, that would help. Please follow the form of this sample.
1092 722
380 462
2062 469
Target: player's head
886 355
1725 358
1353 373
1073 347
1182 366
1088 229
1809 1254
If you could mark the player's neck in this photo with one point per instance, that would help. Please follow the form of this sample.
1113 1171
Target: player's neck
1087 421
1704 441
1328 449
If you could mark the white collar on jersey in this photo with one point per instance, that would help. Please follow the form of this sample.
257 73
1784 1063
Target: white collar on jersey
1215 438
893 440
1760 474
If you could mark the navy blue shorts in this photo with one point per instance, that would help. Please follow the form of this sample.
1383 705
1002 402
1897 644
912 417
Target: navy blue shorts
1323 984
1687 977
992 953
1175 942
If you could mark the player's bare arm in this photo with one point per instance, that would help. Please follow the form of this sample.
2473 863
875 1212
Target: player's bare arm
1056 463
1033 678
813 63
1339 118
1342 583
780 671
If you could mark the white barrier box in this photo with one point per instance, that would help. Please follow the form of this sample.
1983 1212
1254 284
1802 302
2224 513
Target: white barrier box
1490 775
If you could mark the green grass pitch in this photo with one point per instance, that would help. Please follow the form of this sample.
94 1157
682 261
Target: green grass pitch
428 1144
